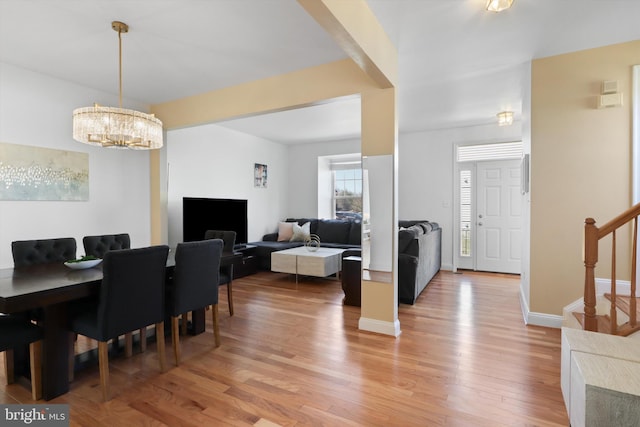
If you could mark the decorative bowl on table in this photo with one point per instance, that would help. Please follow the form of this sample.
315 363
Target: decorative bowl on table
83 263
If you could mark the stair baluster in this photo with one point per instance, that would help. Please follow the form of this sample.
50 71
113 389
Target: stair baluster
590 320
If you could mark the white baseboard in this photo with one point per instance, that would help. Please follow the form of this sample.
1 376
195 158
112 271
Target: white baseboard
380 326
543 319
446 267
623 287
603 286
538 319
577 306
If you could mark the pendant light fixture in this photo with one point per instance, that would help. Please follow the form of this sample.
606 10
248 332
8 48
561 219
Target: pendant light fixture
117 127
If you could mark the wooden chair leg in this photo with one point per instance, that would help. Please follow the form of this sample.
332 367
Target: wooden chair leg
8 366
103 361
160 343
230 297
183 326
216 330
175 338
143 340
35 359
72 355
128 344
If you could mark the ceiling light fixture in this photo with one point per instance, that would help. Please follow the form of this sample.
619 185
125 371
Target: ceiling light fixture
505 118
117 127
498 5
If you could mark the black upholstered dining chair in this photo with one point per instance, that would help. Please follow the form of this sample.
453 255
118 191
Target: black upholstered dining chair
97 246
194 285
132 296
226 271
18 331
44 251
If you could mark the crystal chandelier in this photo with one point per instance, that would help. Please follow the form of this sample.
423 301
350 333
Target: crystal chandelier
498 5
117 127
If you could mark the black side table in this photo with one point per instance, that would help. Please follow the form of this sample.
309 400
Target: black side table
248 263
351 280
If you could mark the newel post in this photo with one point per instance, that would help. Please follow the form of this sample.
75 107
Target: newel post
590 260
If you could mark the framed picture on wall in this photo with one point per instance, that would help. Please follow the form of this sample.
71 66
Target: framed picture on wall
260 175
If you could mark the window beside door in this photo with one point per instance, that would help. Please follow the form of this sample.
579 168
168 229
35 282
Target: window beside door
465 213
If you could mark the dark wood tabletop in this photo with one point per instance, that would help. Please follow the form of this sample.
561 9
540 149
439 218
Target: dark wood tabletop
37 286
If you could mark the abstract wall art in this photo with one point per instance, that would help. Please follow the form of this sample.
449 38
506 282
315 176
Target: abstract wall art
37 173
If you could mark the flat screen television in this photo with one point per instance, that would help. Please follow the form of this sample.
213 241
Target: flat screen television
201 214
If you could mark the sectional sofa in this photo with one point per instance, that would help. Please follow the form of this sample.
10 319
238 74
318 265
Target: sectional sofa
419 247
333 233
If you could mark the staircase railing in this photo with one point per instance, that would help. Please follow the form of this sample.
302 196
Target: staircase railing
590 320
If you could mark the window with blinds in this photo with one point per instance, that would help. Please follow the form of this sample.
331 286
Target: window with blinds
465 213
500 151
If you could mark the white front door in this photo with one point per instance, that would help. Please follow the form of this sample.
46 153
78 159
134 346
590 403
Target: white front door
498 216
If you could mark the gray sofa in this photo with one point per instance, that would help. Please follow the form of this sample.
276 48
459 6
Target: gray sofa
419 249
419 257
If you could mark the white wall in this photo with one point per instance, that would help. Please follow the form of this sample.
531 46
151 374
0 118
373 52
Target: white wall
303 174
216 162
425 174
36 110
525 276
325 188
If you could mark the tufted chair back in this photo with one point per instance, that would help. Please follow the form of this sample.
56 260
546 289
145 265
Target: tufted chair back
99 245
32 252
228 237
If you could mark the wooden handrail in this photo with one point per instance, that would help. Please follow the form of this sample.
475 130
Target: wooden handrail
619 221
592 236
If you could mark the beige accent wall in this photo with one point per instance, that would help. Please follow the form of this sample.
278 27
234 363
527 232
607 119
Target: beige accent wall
580 167
286 91
158 233
379 123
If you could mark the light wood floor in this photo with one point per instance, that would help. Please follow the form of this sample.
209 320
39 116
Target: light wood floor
293 356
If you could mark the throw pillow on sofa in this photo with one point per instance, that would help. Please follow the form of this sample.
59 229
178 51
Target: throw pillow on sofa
285 231
300 232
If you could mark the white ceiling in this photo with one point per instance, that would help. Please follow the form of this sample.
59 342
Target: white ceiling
459 65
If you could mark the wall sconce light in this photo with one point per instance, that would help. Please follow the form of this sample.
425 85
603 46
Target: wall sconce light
505 118
498 5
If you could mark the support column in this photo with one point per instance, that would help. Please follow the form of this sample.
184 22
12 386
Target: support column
379 151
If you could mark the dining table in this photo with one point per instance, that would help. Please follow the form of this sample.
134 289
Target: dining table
47 289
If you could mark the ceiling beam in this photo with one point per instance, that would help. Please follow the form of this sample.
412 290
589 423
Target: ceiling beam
355 28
